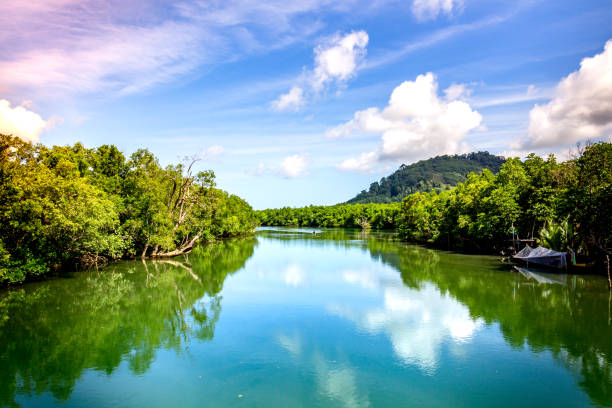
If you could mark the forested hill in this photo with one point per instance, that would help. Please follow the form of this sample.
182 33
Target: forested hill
439 173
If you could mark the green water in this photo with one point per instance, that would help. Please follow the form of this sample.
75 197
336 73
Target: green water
292 319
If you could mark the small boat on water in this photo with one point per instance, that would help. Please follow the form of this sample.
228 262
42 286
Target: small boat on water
542 256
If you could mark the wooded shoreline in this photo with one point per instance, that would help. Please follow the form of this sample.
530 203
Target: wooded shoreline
72 205
561 206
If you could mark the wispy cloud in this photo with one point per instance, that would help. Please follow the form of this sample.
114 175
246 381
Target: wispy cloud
124 47
439 36
514 95
430 9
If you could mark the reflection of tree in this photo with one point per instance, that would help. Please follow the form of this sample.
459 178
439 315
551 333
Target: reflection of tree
571 321
52 331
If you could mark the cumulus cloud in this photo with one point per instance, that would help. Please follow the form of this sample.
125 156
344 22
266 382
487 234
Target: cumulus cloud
336 61
295 166
416 124
430 9
364 163
457 91
21 122
580 109
292 100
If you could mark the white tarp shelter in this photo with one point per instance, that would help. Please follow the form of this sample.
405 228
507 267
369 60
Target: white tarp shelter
542 256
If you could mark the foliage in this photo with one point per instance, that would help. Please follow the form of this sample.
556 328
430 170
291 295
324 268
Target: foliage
377 216
556 236
586 194
72 205
571 199
438 173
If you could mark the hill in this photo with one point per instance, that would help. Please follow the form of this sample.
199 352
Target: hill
439 173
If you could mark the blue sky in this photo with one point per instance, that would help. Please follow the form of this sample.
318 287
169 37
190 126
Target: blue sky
307 102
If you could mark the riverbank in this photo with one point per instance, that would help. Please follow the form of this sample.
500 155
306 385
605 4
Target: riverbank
70 205
560 206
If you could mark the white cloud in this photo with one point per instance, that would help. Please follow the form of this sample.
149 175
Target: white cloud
212 151
295 166
365 163
416 124
580 109
21 122
457 91
431 9
292 100
336 61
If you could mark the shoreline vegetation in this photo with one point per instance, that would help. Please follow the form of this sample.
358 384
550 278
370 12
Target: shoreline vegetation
563 206
66 207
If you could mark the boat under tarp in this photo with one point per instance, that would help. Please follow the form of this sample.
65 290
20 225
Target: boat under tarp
541 256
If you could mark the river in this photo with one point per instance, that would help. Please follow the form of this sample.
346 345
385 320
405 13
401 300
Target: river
288 318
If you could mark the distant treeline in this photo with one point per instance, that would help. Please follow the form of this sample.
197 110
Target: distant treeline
378 216
562 205
438 173
73 205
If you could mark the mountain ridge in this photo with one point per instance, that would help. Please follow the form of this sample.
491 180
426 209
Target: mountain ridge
438 173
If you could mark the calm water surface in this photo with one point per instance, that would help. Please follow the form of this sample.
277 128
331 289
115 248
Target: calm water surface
292 319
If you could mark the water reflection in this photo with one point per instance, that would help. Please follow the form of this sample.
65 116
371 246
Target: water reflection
294 275
338 318
50 332
336 382
450 296
417 322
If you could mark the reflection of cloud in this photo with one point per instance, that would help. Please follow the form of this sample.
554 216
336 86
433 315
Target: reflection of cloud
339 384
336 381
294 276
293 344
364 278
417 321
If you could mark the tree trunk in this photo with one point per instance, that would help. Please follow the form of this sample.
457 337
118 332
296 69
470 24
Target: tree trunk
144 251
179 251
